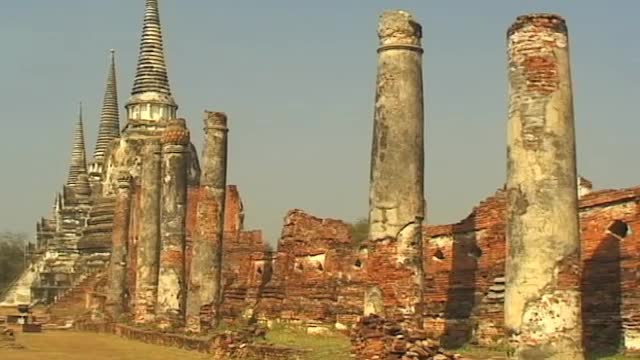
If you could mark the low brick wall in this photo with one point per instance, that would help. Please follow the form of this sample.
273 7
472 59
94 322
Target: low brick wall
222 346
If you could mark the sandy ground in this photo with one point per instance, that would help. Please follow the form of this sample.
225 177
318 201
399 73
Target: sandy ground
69 345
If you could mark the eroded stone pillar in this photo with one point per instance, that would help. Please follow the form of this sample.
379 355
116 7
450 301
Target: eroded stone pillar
203 302
116 293
171 278
148 249
396 198
542 296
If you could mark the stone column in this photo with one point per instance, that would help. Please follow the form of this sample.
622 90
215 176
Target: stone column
396 197
115 301
148 250
542 296
203 301
171 277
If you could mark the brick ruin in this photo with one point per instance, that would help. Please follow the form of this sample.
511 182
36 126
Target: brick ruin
147 219
316 277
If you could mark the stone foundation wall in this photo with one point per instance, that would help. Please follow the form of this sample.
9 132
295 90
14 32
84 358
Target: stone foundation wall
227 345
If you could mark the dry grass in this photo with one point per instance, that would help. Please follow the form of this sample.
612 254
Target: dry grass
619 357
332 346
475 352
70 345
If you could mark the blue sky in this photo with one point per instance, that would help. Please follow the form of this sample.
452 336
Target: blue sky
297 81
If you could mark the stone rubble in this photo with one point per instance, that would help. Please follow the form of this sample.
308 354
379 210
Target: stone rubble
376 338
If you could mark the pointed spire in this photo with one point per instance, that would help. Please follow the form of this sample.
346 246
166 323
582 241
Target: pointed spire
54 208
78 154
151 75
110 117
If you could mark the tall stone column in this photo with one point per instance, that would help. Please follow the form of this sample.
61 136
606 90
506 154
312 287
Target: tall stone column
148 249
542 296
171 278
115 301
203 303
396 197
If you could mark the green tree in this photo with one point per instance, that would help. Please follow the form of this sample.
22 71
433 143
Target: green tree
360 230
11 256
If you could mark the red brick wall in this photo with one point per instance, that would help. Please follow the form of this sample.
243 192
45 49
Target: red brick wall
314 262
233 224
464 291
317 273
234 212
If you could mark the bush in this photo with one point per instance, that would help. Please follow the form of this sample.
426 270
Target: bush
11 257
360 230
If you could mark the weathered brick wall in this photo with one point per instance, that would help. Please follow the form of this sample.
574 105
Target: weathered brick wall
462 262
314 271
234 211
610 224
247 266
465 265
242 251
233 234
317 274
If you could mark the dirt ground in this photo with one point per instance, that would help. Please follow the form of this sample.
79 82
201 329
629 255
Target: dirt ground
69 345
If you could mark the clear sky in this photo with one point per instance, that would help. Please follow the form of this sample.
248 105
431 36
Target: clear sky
297 81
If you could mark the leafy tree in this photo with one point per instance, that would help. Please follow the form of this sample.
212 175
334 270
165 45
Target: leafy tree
11 256
360 230
269 248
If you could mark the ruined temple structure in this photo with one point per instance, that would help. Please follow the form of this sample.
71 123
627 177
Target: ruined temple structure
129 215
163 243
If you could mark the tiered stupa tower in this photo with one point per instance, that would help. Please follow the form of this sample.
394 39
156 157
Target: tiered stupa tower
77 179
151 103
77 239
149 108
78 164
109 126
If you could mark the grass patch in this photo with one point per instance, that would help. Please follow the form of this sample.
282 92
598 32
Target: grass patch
478 352
71 345
332 346
498 352
616 357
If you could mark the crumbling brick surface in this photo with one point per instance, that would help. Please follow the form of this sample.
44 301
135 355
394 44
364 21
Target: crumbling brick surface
462 261
464 271
465 288
376 338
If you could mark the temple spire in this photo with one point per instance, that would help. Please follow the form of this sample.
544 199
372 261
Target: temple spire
151 104
151 74
78 154
110 118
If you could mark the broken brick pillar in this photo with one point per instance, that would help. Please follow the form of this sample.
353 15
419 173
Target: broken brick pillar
116 293
542 295
203 300
396 197
171 276
148 249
